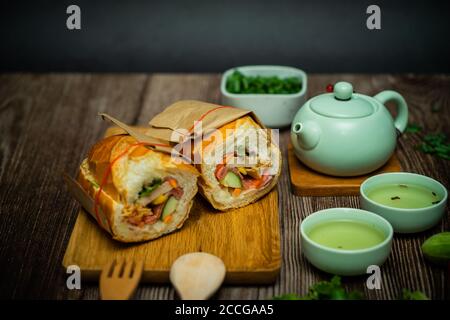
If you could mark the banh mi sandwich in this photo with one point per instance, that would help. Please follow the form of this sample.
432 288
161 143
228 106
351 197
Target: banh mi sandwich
245 172
140 194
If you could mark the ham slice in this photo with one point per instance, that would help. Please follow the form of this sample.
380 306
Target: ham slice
221 171
177 193
157 211
135 221
250 183
163 188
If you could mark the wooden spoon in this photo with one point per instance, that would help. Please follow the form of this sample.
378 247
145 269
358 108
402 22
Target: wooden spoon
197 275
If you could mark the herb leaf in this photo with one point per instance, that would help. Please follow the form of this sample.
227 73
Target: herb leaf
146 190
435 144
416 295
333 290
325 290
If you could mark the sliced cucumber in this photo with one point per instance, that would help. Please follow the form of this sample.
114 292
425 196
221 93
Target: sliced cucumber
170 207
231 180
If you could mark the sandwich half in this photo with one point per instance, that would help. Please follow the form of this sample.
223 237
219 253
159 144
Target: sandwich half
240 164
139 194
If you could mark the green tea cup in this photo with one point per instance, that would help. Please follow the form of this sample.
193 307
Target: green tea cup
405 220
344 261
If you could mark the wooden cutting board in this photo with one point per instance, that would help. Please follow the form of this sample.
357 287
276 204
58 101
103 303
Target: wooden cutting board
307 182
246 239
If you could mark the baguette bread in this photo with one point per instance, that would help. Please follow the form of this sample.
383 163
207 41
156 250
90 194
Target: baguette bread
211 183
132 186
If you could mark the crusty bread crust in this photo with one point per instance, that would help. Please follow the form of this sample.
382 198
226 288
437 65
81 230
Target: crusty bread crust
107 206
107 150
207 190
111 203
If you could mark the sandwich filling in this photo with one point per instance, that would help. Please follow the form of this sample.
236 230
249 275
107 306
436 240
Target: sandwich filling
237 179
157 201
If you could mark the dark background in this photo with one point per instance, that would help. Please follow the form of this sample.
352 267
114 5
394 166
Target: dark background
211 36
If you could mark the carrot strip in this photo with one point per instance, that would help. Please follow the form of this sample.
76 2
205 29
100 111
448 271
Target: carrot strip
173 183
236 192
167 219
258 183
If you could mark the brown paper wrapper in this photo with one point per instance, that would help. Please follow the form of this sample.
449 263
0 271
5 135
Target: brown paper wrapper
141 136
180 118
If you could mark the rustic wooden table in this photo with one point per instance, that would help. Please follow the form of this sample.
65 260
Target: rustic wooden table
48 122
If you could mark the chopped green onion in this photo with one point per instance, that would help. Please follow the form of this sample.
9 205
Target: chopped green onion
240 84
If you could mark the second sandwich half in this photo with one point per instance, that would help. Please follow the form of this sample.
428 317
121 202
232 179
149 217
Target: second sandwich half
240 164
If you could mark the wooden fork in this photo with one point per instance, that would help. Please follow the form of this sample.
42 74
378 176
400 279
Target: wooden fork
120 278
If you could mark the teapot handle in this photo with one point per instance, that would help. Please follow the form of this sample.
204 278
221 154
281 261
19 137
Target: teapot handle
401 121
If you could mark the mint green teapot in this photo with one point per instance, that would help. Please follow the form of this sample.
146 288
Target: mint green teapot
345 133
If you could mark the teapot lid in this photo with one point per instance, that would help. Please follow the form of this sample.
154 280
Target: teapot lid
342 103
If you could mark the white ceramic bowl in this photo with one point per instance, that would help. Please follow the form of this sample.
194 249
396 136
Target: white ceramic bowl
274 110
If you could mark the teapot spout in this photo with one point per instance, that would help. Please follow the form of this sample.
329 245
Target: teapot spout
308 134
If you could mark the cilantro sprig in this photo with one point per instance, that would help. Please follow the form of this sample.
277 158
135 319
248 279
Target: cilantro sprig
333 290
413 295
325 290
434 143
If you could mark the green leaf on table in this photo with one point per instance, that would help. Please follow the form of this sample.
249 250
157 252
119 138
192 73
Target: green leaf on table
435 144
333 290
415 295
325 290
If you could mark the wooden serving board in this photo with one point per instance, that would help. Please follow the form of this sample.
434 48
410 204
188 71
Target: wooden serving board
307 182
246 239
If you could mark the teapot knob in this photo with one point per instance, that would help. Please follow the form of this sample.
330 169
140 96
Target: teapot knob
343 90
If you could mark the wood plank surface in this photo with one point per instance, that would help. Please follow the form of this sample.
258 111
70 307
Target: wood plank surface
246 239
307 182
48 122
